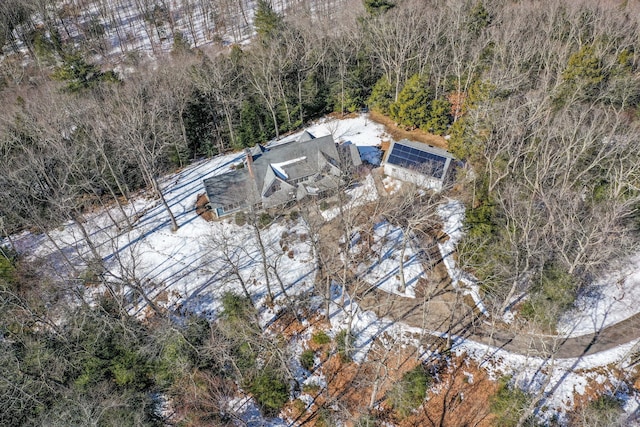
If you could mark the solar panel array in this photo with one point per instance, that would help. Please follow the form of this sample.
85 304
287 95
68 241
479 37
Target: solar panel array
423 161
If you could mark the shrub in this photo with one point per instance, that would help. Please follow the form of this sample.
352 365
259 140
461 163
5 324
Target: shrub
324 418
246 358
507 404
554 293
528 310
410 392
300 406
241 219
236 306
307 359
270 390
344 345
606 410
324 205
174 360
320 338
366 420
131 370
311 388
264 219
7 267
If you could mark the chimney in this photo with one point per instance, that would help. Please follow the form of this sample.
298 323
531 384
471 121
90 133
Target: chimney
247 152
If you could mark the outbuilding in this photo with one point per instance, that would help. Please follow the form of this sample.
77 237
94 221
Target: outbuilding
422 164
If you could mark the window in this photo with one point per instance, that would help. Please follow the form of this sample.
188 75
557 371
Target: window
276 186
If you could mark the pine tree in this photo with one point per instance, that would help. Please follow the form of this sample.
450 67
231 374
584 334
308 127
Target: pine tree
584 73
267 21
479 18
440 117
376 7
413 107
252 129
381 96
80 75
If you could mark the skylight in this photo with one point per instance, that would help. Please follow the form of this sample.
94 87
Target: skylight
278 168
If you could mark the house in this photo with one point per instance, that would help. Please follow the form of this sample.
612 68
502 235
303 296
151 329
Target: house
421 164
273 176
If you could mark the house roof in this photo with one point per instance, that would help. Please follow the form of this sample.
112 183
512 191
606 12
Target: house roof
231 188
296 159
424 158
306 136
280 171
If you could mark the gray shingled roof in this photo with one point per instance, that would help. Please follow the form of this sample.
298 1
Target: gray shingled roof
307 148
306 157
233 187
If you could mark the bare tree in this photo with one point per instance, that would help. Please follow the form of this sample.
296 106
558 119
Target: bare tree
394 38
218 78
146 130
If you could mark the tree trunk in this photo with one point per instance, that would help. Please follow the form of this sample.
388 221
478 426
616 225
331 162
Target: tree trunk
263 253
158 191
61 252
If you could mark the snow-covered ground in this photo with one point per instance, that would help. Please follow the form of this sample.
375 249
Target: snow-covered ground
190 267
119 28
358 195
193 266
247 410
559 380
608 301
382 268
366 327
452 215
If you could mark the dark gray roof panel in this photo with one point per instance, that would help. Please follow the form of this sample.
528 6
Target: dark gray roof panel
306 136
230 188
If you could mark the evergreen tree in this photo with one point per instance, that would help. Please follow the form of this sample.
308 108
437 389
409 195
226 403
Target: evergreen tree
80 75
200 120
381 96
267 21
479 18
584 73
253 125
376 7
413 107
181 44
439 117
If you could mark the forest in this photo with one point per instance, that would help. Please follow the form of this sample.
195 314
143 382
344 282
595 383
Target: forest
539 104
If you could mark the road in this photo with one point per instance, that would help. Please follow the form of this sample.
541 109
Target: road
443 313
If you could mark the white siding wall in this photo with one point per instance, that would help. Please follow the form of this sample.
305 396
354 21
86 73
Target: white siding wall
412 176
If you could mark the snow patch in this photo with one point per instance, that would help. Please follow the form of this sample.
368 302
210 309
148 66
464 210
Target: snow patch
607 301
452 214
358 195
384 270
